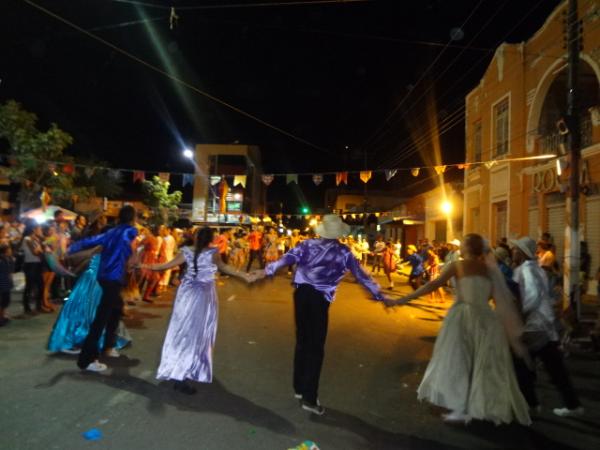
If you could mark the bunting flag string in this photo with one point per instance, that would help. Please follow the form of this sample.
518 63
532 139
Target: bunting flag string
341 177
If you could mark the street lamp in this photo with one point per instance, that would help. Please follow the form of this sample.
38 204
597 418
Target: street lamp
446 207
188 153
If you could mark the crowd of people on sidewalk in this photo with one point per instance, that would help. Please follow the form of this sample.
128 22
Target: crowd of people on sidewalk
483 363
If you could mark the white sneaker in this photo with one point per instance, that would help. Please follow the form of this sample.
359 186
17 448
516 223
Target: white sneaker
456 417
112 353
566 412
96 367
71 351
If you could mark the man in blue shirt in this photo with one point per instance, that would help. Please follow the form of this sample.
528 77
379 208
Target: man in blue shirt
116 250
416 262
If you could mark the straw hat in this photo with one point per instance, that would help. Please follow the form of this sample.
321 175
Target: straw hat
501 254
412 247
332 227
526 245
455 242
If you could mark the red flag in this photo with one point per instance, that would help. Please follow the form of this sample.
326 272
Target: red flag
138 175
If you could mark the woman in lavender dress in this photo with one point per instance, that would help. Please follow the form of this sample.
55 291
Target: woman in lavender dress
187 350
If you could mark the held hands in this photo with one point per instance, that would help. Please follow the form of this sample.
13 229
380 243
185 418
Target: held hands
254 276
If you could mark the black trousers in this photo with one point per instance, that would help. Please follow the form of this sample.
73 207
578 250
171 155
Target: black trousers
416 281
33 285
553 361
254 254
107 318
312 316
4 299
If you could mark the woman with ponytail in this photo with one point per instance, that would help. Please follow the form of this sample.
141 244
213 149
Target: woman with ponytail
187 350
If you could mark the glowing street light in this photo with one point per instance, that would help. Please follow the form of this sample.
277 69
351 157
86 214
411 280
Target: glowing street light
446 207
188 153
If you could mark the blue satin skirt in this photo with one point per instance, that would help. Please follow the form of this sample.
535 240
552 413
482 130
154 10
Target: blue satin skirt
77 314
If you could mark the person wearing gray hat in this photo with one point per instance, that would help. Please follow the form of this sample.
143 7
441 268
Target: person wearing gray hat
540 333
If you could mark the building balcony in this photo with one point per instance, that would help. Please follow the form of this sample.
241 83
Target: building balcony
551 143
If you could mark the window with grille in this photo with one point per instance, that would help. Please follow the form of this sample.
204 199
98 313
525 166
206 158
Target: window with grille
501 128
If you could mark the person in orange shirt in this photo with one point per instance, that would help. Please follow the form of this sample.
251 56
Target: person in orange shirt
255 241
222 244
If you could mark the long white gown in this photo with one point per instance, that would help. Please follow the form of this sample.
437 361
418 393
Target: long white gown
471 370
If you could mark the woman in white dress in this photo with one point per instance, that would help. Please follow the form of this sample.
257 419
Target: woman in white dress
471 372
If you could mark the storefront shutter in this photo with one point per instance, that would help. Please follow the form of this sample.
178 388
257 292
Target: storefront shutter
556 227
592 236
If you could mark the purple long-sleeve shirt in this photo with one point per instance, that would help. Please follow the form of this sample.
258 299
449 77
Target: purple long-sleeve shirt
322 263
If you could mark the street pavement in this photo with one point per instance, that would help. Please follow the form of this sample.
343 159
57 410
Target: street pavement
374 361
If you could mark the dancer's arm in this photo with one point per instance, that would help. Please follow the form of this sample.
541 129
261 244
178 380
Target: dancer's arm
86 243
448 272
290 258
230 270
363 278
177 261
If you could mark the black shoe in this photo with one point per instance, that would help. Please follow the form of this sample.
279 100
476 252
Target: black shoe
184 388
313 408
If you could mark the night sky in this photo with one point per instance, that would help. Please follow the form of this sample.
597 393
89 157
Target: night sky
329 74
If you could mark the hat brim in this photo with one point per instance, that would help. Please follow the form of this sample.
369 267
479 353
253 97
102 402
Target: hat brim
332 232
523 248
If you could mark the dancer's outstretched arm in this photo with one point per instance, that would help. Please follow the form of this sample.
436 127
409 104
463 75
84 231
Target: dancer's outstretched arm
177 261
230 270
448 272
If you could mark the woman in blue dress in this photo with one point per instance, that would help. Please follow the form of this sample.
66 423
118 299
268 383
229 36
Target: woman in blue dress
77 314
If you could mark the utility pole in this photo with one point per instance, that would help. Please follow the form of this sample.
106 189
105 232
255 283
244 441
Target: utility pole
572 239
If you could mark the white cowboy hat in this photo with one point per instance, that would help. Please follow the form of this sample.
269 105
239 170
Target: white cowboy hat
455 242
332 227
526 245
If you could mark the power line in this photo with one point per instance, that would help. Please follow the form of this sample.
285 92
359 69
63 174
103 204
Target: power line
423 75
438 76
400 156
175 78
240 5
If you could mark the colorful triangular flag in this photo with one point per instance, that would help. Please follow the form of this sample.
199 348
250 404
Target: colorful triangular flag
239 179
491 164
389 174
115 174
188 178
164 176
138 175
415 171
440 169
365 176
341 177
291 178
317 179
267 179
89 172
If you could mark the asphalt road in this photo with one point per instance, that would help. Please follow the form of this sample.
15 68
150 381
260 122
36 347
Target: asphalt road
373 364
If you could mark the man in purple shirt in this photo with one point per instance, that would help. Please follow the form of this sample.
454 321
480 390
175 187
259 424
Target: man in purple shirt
320 265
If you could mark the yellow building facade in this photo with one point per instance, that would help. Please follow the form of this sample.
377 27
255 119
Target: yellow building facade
515 112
